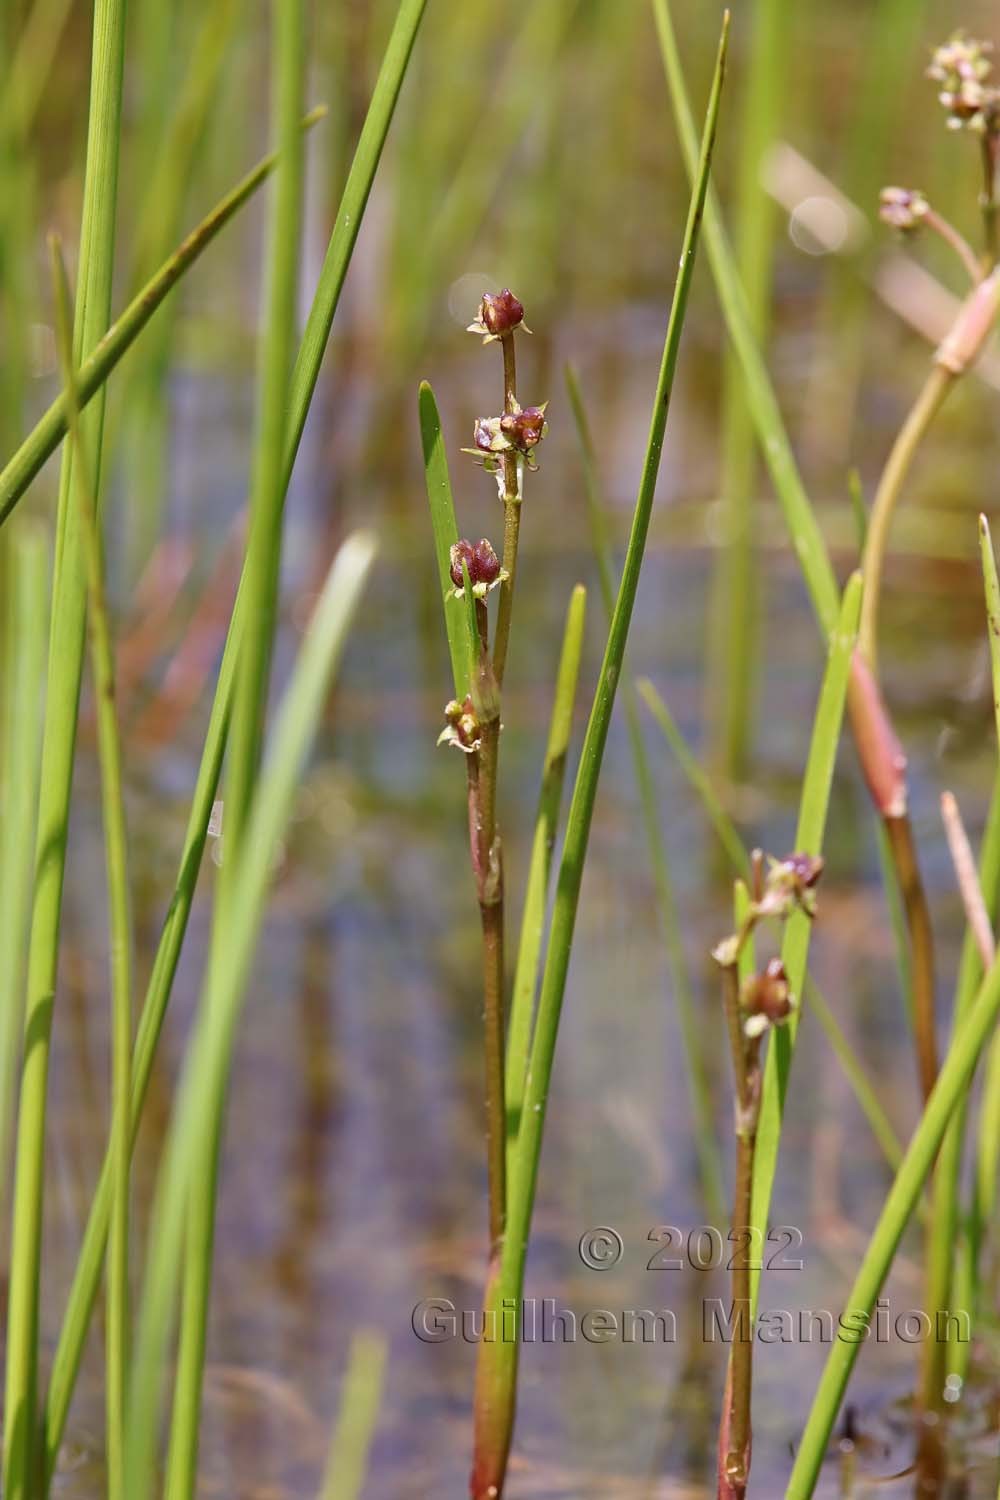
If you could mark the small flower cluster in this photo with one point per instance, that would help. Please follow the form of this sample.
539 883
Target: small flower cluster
766 998
963 69
482 565
463 729
519 430
902 208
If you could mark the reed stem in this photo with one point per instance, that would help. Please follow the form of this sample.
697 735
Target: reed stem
66 649
120 938
936 387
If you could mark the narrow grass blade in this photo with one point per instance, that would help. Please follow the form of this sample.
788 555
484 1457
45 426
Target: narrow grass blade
119 903
496 1374
795 947
306 373
951 1088
536 891
253 672
706 1139
734 604
206 1065
49 431
761 400
863 1088
24 565
992 586
718 817
987 1166
351 212
66 644
943 1235
360 1400
462 645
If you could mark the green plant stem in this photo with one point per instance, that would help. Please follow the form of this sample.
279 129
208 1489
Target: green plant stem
539 870
809 835
58 747
262 566
862 1087
705 1132
936 387
734 605
800 519
120 934
511 516
95 368
360 1399
24 569
951 1087
496 1371
943 1235
956 242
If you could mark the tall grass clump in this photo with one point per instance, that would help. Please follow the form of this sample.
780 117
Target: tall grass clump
33 1435
66 647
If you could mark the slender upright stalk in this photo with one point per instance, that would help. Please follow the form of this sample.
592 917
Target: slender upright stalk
734 608
59 742
252 678
929 402
24 566
116 845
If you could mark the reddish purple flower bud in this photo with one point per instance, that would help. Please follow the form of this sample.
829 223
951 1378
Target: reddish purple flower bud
767 998
482 563
487 564
499 312
462 552
524 429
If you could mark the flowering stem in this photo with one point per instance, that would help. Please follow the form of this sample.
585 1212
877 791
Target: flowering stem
511 514
957 242
484 844
734 1436
936 387
990 205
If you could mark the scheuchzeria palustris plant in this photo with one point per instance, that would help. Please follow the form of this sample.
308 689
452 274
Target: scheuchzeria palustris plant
504 446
